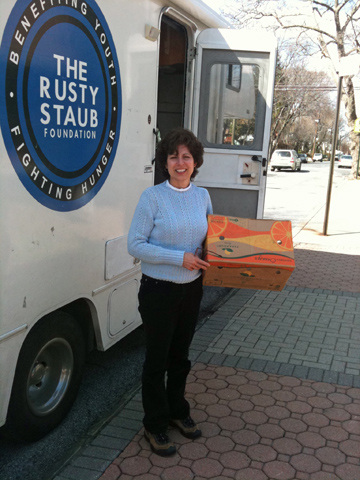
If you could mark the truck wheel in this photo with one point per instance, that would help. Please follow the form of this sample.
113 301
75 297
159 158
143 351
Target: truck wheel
47 377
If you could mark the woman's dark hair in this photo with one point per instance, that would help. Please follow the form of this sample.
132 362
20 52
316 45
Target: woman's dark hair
170 144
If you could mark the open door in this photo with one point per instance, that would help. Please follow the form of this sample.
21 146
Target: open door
171 79
233 95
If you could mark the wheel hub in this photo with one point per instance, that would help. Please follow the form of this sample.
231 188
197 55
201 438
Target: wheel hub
37 374
50 376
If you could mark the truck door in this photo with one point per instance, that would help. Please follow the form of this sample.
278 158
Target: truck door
233 94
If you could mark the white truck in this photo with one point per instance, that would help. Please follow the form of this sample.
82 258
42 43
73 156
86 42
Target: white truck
87 87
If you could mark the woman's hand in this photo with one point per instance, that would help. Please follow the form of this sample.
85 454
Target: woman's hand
192 262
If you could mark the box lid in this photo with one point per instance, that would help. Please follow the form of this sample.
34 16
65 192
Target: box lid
232 241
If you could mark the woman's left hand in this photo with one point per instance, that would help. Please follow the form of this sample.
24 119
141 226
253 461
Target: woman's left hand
192 262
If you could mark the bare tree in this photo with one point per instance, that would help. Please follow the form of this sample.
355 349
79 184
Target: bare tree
300 98
330 27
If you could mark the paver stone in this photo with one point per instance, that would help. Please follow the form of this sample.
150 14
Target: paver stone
323 387
348 471
218 411
337 414
352 426
249 389
269 430
177 472
311 439
335 434
289 381
220 444
293 425
235 460
316 419
287 446
246 437
231 423
228 394
254 418
193 451
206 467
279 470
305 463
277 412
135 466
299 407
330 456
350 448
340 398
216 384
323 476
261 453
269 385
262 400
250 473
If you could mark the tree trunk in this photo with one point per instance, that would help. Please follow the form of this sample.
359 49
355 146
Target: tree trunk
350 113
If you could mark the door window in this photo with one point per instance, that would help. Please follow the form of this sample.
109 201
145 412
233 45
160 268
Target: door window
232 100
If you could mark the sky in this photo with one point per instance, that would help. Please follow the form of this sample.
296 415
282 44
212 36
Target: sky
215 4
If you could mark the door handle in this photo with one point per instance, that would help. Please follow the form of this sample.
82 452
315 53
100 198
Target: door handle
248 175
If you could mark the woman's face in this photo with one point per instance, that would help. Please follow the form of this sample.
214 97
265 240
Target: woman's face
180 166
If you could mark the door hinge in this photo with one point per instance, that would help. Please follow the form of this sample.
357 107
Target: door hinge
192 54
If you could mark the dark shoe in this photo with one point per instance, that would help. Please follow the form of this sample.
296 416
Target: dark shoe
160 443
187 427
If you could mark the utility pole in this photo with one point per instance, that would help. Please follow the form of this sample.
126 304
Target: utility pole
332 158
316 129
330 130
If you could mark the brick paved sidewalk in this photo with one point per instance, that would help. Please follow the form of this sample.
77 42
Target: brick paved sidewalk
275 384
255 427
317 267
275 388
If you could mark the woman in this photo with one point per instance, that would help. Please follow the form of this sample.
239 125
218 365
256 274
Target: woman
168 227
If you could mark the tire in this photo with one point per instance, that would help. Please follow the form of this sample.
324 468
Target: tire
47 377
299 168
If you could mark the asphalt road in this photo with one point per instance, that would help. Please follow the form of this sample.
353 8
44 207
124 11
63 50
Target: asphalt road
298 196
111 376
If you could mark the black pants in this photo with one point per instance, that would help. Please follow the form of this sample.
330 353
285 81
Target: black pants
169 313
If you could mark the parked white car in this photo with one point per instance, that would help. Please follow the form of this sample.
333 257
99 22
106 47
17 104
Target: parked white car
345 161
285 159
318 157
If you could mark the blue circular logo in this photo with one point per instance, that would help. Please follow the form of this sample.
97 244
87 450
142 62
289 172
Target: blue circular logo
61 99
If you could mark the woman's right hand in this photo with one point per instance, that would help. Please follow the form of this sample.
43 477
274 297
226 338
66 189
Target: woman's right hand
192 262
